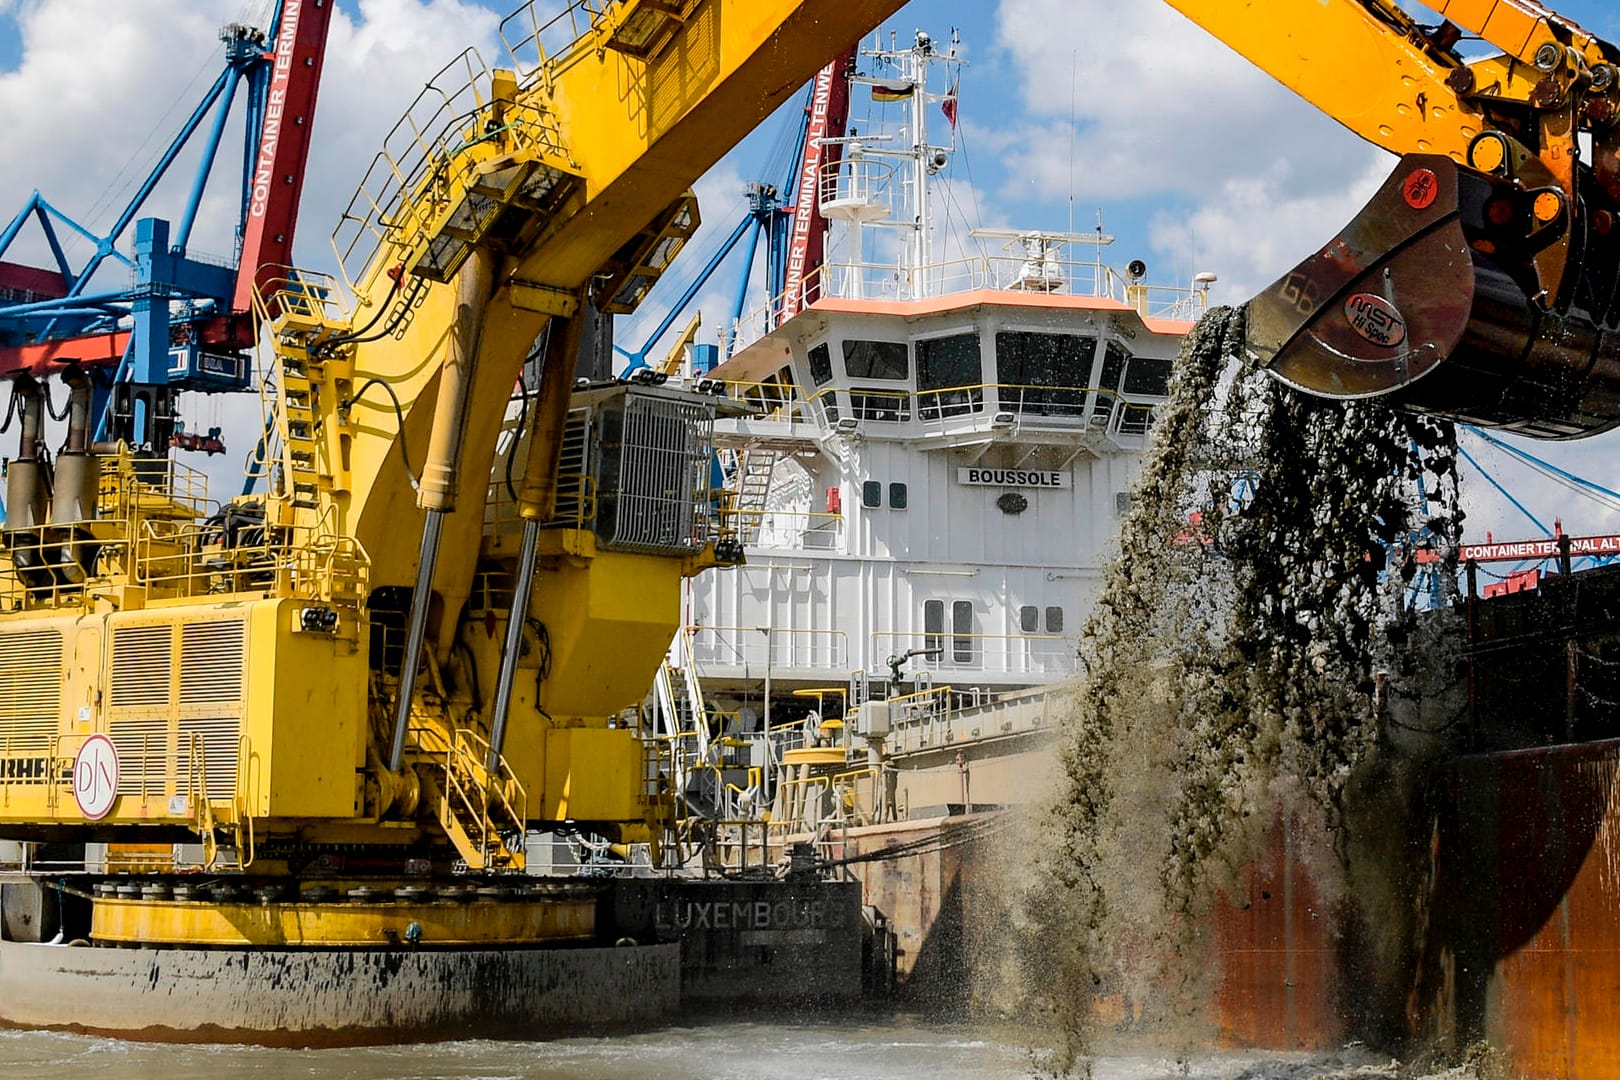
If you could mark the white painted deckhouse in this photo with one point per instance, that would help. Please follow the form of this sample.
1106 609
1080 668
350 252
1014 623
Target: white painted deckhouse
941 446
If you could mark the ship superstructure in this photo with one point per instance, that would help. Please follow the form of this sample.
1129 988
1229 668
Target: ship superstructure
939 447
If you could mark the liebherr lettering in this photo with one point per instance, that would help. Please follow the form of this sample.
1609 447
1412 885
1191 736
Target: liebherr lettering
275 105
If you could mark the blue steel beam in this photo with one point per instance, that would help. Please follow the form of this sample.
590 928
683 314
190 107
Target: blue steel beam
106 245
638 359
205 167
747 270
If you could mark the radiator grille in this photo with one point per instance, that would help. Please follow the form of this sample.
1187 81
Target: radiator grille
30 689
141 662
143 756
155 744
220 746
654 457
211 662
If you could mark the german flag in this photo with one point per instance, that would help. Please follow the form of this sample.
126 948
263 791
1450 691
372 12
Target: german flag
892 91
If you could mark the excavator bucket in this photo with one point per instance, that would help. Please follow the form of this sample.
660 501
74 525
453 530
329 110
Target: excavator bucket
1457 293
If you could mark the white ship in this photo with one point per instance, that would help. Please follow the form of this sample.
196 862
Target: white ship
938 451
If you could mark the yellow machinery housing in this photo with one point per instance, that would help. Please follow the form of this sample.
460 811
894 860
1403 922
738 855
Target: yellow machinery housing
433 629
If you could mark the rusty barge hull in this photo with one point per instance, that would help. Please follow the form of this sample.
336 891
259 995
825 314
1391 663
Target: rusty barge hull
1501 923
335 997
1510 934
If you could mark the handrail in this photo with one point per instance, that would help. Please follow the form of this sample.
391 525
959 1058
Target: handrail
468 779
1090 278
871 400
1019 652
809 643
848 805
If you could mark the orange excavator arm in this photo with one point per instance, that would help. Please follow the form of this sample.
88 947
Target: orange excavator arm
1480 282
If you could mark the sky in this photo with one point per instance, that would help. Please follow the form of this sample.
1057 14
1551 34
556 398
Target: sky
1195 160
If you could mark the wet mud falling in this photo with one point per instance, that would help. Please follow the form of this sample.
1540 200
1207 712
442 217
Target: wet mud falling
1237 660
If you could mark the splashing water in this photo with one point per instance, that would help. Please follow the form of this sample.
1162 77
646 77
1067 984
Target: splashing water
1234 661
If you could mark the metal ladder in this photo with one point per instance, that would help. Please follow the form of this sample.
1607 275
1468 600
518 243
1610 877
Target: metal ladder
754 471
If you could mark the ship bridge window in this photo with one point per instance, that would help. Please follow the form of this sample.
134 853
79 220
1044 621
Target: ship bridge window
771 393
1115 357
877 360
1044 373
820 358
1147 375
828 400
866 403
1054 620
871 494
949 376
1135 419
1029 619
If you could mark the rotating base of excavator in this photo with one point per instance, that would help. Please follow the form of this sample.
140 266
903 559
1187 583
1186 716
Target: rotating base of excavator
371 915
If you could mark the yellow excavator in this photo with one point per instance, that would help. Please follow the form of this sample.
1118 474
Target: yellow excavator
1482 282
430 632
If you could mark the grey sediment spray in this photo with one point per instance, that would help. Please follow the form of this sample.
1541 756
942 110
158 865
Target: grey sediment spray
1230 672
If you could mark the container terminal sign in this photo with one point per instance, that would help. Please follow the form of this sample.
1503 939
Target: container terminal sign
1538 549
1027 478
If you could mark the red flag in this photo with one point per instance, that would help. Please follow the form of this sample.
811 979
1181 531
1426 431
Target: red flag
948 106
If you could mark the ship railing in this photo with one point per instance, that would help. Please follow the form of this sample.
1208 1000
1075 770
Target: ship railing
771 399
964 655
242 803
791 530
404 191
759 647
133 488
57 566
537 36
31 761
858 188
738 846
305 300
167 776
1009 272
824 800
489 804
922 719
156 528
970 405
660 767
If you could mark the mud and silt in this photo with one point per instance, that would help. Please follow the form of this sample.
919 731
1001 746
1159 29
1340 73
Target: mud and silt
1247 637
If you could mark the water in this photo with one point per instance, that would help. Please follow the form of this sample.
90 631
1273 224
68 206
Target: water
898 1049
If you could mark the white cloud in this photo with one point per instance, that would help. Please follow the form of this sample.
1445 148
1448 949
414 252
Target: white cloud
1233 172
1251 227
1159 106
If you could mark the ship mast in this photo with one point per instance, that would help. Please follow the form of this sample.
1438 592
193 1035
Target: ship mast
902 74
